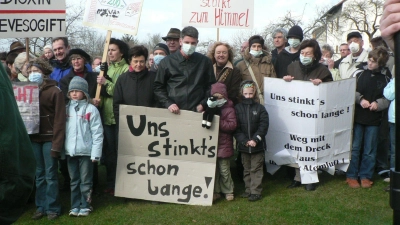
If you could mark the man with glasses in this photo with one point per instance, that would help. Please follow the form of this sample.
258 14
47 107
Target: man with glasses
172 39
344 51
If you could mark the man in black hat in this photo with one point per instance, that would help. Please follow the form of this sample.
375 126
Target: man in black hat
172 39
17 47
358 55
290 53
184 79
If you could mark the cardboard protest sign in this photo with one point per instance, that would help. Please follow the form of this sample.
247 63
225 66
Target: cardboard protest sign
39 18
218 14
310 126
165 157
27 97
119 16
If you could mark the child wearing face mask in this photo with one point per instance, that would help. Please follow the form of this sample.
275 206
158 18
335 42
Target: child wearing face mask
48 144
370 102
83 145
252 126
227 125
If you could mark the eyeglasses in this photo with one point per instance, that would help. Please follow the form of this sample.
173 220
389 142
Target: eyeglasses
343 50
172 39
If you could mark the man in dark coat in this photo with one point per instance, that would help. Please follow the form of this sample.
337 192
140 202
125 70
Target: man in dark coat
184 78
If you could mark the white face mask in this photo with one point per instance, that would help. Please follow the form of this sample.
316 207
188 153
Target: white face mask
255 53
188 49
294 43
305 60
354 47
221 102
36 77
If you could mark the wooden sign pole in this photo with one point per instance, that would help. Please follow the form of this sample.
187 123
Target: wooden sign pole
27 49
104 59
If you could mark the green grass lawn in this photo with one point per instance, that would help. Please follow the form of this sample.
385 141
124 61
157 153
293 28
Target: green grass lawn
332 203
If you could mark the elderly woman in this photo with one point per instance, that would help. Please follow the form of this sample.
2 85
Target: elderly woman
135 87
308 69
49 142
20 64
257 64
221 54
118 56
78 59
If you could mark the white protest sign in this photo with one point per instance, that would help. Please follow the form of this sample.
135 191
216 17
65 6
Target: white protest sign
309 125
218 13
39 18
119 16
165 157
27 97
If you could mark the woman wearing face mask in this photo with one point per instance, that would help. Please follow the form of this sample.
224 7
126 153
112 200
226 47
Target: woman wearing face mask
256 64
160 51
308 69
48 143
135 87
221 54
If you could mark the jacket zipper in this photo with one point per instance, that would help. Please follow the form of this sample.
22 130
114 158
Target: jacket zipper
248 123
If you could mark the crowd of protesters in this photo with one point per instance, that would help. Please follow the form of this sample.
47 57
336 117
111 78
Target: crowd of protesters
78 130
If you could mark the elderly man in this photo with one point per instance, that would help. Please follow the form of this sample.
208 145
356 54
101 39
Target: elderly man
358 55
280 40
344 52
172 39
184 79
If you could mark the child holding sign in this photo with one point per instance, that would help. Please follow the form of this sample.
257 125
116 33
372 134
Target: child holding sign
227 125
252 126
83 145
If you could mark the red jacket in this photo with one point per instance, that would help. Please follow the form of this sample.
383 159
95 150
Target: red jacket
227 123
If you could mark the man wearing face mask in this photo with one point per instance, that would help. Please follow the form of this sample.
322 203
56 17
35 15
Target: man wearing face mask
290 53
184 78
257 63
357 56
159 51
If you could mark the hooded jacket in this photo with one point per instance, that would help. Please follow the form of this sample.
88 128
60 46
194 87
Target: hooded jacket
261 66
227 123
252 124
230 76
133 88
84 134
184 81
17 161
52 116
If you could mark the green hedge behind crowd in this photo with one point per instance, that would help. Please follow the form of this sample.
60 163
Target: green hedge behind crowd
332 203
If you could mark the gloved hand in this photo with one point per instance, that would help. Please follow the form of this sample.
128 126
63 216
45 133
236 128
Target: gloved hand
211 102
104 67
55 154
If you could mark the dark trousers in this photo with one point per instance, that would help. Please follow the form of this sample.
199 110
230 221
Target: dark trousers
110 153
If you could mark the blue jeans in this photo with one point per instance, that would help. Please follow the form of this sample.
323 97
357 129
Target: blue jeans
110 153
47 197
392 132
81 172
365 169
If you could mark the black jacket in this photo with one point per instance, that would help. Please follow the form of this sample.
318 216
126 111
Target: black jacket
134 88
252 124
283 60
90 77
185 82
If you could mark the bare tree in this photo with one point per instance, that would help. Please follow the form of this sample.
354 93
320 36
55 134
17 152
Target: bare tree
152 40
364 15
130 40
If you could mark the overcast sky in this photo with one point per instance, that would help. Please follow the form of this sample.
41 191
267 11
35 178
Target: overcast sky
158 16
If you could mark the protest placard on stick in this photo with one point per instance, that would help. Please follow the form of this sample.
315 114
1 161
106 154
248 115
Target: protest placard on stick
27 98
166 157
310 126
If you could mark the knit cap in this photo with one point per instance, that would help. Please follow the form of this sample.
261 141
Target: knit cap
162 47
79 84
295 32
